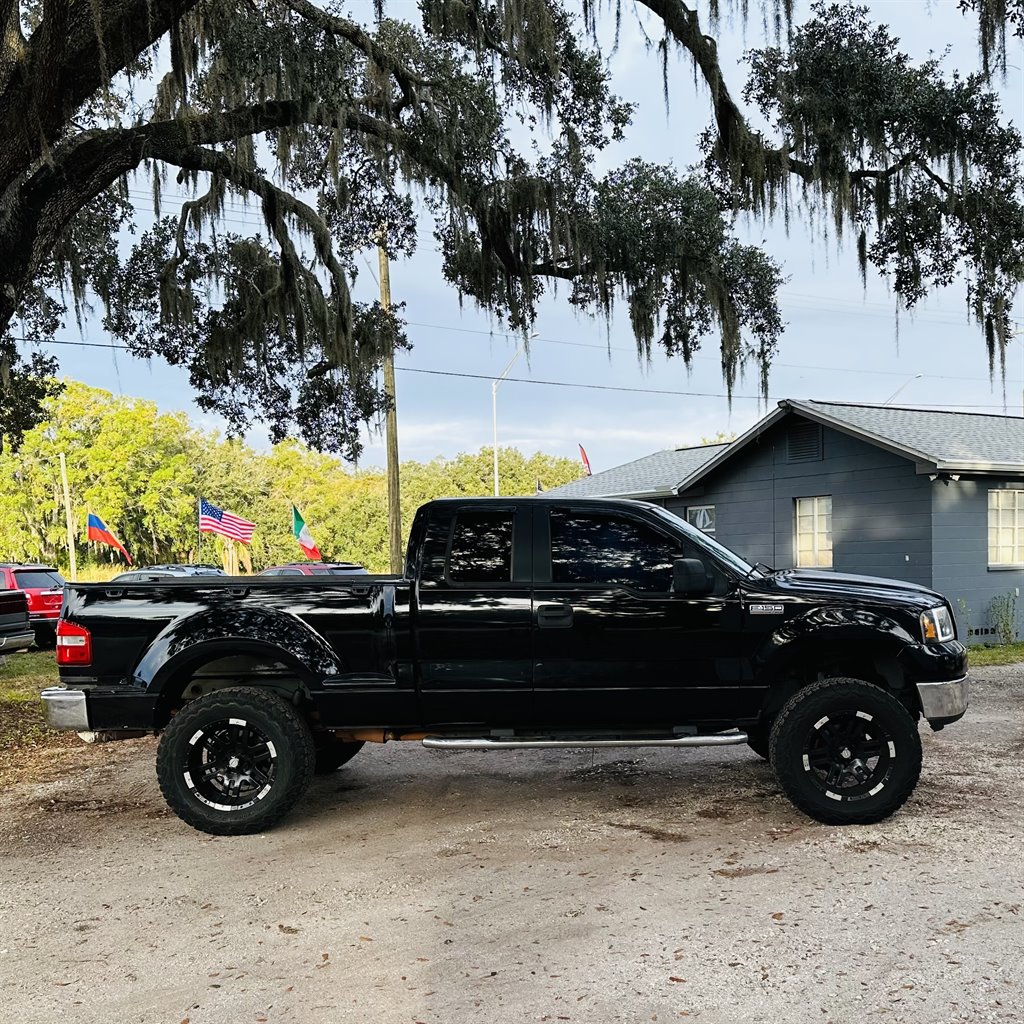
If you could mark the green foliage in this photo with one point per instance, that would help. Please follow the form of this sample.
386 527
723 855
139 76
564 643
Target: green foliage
1002 612
142 471
479 124
915 162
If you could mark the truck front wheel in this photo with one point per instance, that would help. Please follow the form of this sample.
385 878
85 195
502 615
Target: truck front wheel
846 752
233 762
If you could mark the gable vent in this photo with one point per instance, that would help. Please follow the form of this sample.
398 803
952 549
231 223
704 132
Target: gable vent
804 442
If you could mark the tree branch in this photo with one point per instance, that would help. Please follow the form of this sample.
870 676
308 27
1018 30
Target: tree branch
276 202
737 142
35 122
406 79
12 42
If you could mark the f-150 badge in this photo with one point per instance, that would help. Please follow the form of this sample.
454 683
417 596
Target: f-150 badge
767 609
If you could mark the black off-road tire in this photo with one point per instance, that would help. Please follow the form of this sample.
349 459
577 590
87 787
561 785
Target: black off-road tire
816 765
260 721
332 753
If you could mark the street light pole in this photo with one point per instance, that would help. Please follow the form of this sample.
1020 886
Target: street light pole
917 376
495 384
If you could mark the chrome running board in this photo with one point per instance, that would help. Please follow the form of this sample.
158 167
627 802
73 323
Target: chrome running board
487 743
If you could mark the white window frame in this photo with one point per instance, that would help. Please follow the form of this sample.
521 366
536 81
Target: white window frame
701 508
817 506
1005 512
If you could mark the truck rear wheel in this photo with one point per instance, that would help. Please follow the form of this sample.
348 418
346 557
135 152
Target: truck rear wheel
233 762
846 752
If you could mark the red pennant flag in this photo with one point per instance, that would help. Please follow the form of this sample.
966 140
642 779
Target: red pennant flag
586 461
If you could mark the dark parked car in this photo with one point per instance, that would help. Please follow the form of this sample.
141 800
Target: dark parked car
15 630
521 622
43 586
145 573
316 569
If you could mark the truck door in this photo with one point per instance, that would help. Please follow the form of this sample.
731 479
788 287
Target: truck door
613 646
473 616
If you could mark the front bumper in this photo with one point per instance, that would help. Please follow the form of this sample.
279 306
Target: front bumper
66 709
945 702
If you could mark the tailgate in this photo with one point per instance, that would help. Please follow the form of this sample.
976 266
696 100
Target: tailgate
13 613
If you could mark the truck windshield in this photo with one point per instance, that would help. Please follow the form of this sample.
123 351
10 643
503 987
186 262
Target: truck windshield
722 553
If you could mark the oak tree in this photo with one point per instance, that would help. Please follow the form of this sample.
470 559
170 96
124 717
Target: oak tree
346 132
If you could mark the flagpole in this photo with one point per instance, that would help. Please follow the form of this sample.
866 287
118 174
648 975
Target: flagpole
199 529
72 565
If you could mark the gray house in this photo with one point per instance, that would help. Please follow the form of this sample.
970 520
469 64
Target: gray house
929 496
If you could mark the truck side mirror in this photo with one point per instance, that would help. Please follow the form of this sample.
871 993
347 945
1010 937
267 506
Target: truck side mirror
690 578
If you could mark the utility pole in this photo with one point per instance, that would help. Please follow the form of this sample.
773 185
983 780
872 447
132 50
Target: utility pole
73 564
391 420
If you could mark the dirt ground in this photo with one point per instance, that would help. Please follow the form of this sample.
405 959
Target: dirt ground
523 886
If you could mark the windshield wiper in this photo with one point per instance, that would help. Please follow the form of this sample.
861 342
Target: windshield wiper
764 570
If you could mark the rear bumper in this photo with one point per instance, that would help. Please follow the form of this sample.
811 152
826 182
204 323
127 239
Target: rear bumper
114 710
944 702
18 642
66 709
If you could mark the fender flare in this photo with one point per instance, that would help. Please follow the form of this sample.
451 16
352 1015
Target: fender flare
220 632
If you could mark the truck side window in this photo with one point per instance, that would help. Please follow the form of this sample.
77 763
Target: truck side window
481 547
608 549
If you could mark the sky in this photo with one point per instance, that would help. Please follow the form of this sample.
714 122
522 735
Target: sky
581 381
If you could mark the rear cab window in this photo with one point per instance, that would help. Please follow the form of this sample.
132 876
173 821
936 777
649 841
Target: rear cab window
480 549
38 579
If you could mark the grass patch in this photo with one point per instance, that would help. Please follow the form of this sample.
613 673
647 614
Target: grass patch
1006 654
22 718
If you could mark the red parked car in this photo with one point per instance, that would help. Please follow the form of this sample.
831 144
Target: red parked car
44 588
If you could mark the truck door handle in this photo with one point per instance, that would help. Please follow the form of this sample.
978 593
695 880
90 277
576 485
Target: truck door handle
554 615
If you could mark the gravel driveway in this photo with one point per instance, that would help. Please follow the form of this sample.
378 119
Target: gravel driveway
524 886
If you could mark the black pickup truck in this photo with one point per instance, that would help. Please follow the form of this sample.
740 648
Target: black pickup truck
518 623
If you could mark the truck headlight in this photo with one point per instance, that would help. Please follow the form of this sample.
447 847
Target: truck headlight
937 625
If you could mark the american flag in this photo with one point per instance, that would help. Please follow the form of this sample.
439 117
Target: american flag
216 520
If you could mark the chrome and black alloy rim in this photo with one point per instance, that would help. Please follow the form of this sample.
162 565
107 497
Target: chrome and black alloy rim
849 755
230 764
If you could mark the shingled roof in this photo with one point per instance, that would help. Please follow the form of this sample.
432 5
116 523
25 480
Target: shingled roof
949 439
936 440
660 473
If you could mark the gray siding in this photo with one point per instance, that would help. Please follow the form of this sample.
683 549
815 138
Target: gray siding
881 508
960 533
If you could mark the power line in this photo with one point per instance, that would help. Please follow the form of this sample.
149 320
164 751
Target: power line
644 391
527 380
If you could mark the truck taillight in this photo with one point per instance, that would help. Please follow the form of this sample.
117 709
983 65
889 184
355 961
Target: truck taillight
74 644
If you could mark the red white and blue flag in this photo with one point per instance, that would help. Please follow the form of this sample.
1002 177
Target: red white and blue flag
586 461
227 524
97 531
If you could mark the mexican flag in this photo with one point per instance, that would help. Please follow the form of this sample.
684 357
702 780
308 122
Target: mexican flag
304 537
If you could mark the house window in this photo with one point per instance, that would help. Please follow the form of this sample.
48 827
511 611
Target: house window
814 532
1005 528
702 516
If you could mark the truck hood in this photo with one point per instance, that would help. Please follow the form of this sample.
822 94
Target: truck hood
837 585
